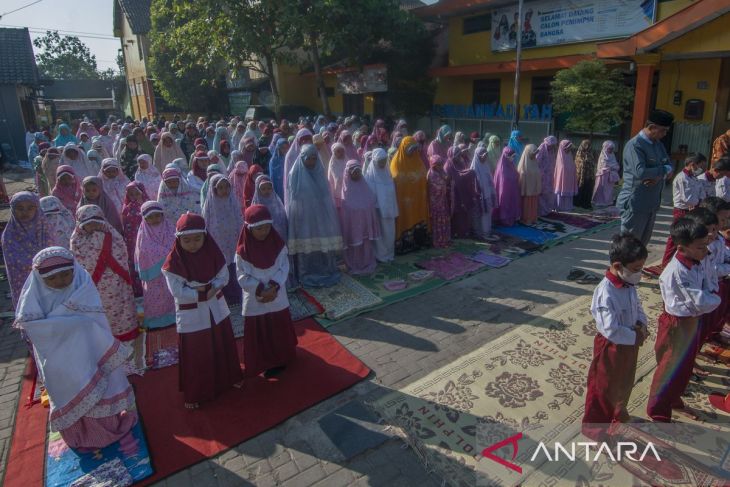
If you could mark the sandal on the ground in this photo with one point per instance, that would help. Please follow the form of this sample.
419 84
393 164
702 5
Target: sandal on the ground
576 274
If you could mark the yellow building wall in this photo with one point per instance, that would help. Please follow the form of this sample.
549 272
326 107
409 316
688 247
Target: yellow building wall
684 75
712 37
458 90
134 65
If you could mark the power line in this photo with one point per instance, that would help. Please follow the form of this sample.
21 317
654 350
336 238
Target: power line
20 8
43 30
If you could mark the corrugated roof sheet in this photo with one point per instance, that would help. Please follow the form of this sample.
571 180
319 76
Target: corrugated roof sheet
17 61
138 14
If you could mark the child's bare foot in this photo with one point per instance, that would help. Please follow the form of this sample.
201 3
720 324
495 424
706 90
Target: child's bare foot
238 385
192 405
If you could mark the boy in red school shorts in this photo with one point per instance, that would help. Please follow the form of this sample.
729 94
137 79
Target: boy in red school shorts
688 294
621 325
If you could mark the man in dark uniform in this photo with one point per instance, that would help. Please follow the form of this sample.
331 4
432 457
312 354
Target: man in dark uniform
646 165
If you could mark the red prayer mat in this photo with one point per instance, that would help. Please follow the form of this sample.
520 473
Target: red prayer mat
177 437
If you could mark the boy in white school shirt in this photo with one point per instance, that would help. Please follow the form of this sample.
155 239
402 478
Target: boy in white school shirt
687 293
621 325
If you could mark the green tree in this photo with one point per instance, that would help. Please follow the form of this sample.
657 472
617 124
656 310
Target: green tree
218 35
179 77
64 57
594 98
365 32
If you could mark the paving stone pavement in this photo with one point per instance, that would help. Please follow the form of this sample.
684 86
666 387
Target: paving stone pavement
400 343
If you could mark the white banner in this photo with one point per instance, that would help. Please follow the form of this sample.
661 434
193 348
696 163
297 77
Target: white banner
550 22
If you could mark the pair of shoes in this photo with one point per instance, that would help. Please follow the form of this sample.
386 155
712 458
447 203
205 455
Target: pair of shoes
582 277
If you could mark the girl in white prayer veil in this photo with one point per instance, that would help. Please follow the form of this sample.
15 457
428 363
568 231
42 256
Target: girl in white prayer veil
79 360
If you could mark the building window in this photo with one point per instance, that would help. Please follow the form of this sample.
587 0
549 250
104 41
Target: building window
478 23
353 104
541 90
486 91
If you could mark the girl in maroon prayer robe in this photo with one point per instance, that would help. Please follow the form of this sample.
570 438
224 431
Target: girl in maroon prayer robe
196 272
262 262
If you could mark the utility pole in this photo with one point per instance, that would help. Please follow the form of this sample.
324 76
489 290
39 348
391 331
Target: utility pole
516 115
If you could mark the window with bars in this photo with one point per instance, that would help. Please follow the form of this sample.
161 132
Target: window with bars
486 91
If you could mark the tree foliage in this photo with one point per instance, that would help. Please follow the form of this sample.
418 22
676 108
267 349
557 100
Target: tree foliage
194 44
180 78
368 32
64 57
217 35
594 97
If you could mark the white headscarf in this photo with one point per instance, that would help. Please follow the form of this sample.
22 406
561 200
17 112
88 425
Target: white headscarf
78 358
483 171
381 184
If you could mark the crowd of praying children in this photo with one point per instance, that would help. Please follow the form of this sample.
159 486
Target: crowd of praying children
194 217
694 288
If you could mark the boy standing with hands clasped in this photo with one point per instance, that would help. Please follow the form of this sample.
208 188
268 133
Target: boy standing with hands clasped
621 325
687 292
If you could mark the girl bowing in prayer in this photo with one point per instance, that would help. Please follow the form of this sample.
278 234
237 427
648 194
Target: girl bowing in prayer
224 221
439 199
102 252
155 238
359 221
196 272
507 187
175 194
530 184
81 364
546 154
466 196
265 195
566 183
134 197
148 175
25 235
262 263
411 227
67 189
114 182
59 220
93 194
488 196
314 240
607 175
377 175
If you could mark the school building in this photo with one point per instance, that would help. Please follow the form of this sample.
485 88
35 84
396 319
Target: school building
673 52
